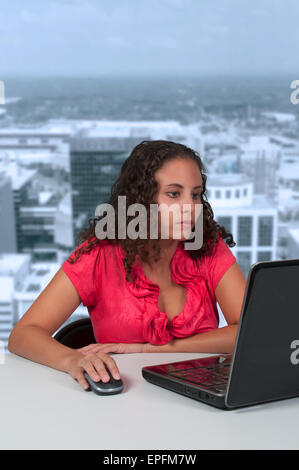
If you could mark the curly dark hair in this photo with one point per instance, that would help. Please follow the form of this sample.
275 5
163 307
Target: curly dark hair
137 182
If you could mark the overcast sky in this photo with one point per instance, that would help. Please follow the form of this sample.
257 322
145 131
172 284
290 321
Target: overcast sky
130 37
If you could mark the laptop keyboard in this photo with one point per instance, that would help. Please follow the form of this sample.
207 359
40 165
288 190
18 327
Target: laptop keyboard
213 378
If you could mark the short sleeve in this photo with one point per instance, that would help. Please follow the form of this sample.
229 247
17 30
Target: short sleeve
83 273
219 262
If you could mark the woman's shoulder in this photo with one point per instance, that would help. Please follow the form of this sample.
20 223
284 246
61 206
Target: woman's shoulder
219 260
89 248
218 257
83 267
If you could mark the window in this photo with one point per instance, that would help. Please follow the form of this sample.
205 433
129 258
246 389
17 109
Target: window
237 193
107 169
265 230
264 255
226 222
217 194
244 261
245 192
244 231
228 193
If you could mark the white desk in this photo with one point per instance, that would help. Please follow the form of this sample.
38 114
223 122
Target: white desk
43 408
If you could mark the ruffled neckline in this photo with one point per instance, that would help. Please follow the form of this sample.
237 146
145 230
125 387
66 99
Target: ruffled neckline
184 271
143 286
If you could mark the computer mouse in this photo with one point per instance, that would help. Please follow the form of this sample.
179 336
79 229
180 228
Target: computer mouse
105 388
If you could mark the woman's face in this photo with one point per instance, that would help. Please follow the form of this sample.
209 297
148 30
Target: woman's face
180 183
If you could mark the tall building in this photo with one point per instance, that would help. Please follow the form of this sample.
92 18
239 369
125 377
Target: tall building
260 159
63 232
98 151
8 242
31 212
95 165
38 219
13 270
21 282
251 218
21 180
49 143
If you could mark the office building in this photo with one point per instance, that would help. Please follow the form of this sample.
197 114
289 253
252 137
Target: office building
6 309
13 270
48 143
259 160
20 179
63 230
251 218
37 278
37 220
98 152
8 243
288 200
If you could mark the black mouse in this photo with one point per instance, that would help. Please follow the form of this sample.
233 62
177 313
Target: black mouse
105 388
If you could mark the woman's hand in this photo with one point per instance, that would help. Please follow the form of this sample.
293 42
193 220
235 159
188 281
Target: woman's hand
118 348
95 364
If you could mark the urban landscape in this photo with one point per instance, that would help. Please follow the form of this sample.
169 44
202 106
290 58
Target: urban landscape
54 172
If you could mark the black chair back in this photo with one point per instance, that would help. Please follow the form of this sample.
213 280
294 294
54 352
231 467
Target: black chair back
77 334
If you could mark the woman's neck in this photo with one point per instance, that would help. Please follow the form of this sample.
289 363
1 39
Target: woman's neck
167 250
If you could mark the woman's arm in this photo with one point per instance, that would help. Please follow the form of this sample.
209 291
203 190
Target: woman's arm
229 294
32 335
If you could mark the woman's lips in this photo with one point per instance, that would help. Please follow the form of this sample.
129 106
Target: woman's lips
185 224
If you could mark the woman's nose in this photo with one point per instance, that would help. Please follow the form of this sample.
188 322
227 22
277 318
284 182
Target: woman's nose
187 210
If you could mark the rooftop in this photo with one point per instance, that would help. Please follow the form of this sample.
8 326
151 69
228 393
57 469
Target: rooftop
11 262
44 199
227 179
18 174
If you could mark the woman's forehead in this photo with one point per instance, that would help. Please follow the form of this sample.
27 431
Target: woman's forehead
179 171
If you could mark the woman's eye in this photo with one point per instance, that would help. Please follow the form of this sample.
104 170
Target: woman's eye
196 195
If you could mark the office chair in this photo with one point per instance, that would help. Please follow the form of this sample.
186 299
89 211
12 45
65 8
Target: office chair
77 334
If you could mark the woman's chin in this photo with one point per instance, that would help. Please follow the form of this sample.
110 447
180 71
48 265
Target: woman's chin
183 234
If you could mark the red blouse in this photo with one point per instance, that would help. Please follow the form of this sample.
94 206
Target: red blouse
126 312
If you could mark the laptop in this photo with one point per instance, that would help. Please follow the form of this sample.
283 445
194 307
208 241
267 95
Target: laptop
264 365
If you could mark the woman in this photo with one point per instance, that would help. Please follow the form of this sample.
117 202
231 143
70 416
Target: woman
144 294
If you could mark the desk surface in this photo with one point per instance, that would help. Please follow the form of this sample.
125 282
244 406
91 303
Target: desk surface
43 408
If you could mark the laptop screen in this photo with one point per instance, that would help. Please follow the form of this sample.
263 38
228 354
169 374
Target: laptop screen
264 362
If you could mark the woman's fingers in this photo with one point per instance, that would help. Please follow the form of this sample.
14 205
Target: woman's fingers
111 364
87 348
104 348
96 366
